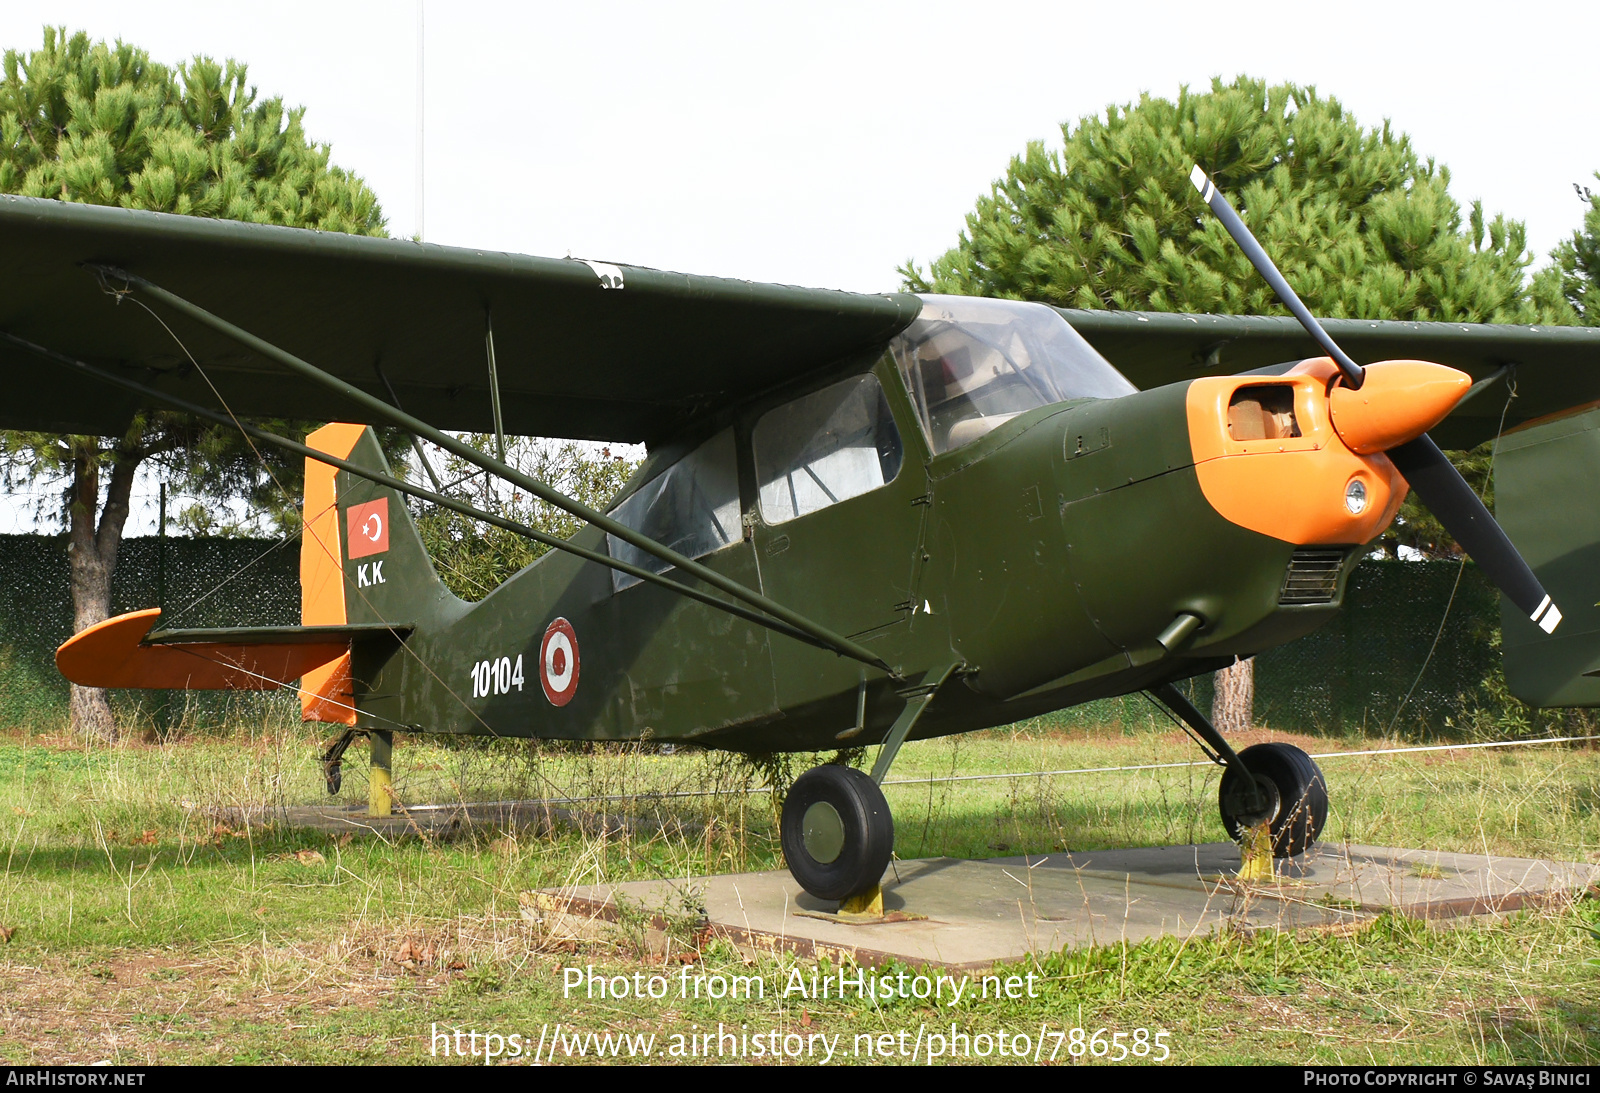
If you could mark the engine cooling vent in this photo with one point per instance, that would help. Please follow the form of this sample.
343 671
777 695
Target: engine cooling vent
1313 577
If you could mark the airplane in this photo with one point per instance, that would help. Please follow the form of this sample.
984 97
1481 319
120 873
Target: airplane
863 519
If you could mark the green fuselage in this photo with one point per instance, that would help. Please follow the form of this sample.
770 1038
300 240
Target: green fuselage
1041 561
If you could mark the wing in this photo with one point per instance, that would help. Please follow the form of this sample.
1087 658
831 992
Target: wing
585 350
1556 368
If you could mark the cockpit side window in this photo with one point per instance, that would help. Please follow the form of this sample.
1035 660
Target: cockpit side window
691 507
973 364
826 447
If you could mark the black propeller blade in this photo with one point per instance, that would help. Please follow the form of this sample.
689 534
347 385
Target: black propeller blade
1424 466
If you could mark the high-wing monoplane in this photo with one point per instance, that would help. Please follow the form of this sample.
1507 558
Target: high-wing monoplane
862 520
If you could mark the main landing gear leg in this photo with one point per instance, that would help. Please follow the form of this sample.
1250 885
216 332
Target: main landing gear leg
837 832
1273 798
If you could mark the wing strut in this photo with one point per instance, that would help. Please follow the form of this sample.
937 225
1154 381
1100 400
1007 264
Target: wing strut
443 501
416 442
494 388
1181 707
838 643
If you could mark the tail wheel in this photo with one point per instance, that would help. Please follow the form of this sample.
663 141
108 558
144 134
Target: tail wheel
1293 792
333 761
837 832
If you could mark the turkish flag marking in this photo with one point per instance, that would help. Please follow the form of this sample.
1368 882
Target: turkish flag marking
368 527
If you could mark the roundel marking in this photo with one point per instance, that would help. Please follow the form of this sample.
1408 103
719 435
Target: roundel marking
558 662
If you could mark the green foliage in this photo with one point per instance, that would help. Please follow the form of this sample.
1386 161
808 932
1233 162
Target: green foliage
1491 712
203 464
777 770
106 125
1573 277
473 559
1360 224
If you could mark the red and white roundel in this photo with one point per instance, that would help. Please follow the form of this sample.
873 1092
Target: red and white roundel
558 663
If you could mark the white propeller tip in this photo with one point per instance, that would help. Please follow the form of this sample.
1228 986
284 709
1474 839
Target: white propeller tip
1551 620
1202 183
1547 616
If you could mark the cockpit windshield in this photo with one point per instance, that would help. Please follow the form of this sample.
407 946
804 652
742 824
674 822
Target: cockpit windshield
972 364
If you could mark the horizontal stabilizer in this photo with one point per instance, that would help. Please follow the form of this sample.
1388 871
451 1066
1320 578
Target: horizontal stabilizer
124 652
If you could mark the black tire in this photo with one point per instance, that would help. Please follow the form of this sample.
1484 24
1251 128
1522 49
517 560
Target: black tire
1301 807
865 837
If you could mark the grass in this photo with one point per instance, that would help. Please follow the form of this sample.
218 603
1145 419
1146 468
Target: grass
146 930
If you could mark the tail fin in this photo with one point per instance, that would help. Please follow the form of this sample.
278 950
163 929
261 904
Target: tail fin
361 561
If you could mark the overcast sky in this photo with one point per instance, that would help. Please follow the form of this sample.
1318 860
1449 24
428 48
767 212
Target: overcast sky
824 144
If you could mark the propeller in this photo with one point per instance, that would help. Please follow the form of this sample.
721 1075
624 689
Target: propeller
1420 461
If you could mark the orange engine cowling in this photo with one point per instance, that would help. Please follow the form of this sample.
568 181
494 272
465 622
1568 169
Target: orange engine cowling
1300 457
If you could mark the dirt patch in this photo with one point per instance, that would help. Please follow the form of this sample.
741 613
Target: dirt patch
128 1009
155 1007
202 1004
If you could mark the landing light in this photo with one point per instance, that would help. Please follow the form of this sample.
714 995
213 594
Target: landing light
1355 497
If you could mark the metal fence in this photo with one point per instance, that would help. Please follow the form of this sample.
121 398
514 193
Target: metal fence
196 582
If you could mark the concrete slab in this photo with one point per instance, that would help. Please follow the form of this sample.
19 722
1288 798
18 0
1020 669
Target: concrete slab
982 912
1365 879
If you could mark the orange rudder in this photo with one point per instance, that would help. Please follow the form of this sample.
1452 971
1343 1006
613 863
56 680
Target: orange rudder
325 692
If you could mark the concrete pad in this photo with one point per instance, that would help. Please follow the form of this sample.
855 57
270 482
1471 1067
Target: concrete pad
1365 879
981 912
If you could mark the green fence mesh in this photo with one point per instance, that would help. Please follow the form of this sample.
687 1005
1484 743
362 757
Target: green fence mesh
1356 671
1350 675
201 582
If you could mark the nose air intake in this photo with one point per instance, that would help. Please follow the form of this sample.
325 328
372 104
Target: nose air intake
1313 577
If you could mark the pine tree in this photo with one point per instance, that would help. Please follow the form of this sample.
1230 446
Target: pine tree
1573 276
1359 223
105 125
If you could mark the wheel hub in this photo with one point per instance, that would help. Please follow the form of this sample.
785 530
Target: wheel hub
822 832
1252 813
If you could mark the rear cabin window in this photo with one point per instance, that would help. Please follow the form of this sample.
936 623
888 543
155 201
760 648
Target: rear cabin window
691 507
831 445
